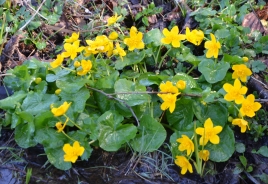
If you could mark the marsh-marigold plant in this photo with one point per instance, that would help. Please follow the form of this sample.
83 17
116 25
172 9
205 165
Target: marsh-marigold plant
72 152
243 124
135 39
172 37
209 133
184 163
236 92
241 72
186 144
212 47
194 36
61 109
249 106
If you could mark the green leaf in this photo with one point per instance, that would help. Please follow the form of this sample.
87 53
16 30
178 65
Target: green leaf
145 21
40 45
243 160
61 73
216 111
258 66
263 177
24 135
232 59
28 117
190 82
224 150
182 117
45 135
107 81
240 147
263 151
78 99
56 157
36 103
222 33
130 59
103 102
150 137
11 101
71 85
129 88
112 132
153 36
213 72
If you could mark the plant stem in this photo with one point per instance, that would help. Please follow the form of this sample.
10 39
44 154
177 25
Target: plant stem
191 69
68 136
164 58
198 165
72 122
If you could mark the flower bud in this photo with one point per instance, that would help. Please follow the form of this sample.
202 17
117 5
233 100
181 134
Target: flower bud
57 92
245 59
76 64
37 80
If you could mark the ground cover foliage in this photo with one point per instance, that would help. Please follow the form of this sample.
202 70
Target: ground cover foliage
182 81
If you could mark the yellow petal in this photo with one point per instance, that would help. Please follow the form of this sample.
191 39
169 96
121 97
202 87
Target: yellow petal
215 139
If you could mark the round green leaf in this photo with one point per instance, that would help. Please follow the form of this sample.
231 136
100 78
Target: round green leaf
224 150
240 147
213 72
182 117
112 132
150 137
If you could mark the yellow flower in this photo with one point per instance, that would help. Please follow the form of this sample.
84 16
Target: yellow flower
245 59
204 154
61 109
73 38
169 101
57 92
77 64
170 98
135 39
235 93
57 62
113 19
119 51
172 37
71 50
209 133
100 45
195 37
72 152
86 67
243 124
59 125
168 88
113 35
186 144
249 107
213 47
185 165
241 72
181 84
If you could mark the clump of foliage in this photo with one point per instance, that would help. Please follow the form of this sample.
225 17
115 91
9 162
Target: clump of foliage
101 94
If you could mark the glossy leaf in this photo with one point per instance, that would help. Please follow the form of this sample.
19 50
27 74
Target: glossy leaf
182 117
150 137
129 88
224 150
36 103
24 135
112 132
153 36
213 72
11 101
130 59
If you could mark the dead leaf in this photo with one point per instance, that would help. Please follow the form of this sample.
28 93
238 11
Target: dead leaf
253 22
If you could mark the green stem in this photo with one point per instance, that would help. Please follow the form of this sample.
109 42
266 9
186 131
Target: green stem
72 122
68 136
67 69
164 58
157 55
198 165
191 69
167 126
